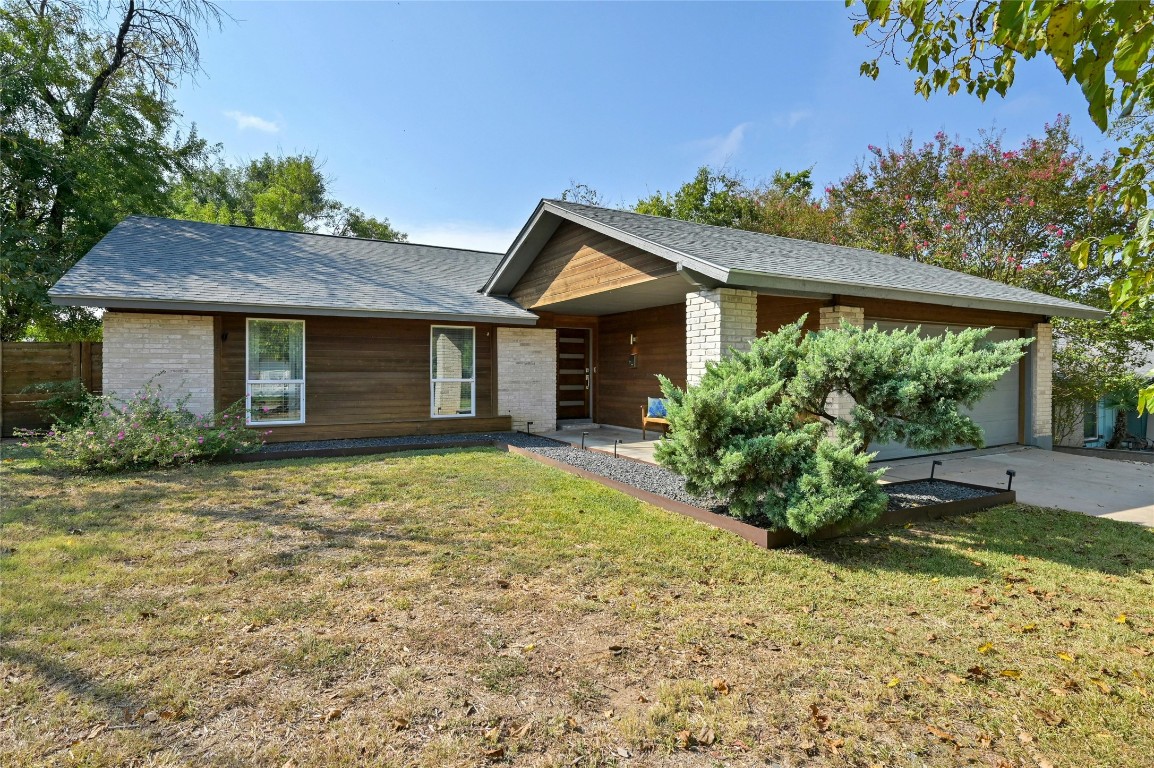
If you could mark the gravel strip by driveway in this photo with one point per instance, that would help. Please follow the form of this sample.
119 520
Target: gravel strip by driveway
647 477
909 495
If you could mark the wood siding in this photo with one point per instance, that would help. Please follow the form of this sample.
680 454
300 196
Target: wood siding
883 309
579 262
363 378
776 311
660 348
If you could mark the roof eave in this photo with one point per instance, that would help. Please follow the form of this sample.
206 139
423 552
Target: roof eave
763 281
197 307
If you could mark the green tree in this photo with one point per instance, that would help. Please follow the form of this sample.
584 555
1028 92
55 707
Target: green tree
583 194
87 134
782 206
289 193
1104 47
1094 358
758 430
1006 213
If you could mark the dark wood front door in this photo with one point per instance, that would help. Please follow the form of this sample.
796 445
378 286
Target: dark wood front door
574 367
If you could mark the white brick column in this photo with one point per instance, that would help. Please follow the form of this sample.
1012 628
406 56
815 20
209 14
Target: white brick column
839 405
1040 380
139 346
716 320
527 377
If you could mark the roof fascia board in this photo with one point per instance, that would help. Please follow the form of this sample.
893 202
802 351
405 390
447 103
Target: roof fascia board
696 279
757 281
206 307
514 254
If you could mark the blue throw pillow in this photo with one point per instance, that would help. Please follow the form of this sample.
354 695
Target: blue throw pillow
656 408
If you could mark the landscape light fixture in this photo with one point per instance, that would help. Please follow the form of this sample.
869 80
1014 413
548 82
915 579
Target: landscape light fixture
615 442
528 427
583 436
934 466
1010 483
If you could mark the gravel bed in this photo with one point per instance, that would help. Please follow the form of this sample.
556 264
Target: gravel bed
647 477
519 439
910 495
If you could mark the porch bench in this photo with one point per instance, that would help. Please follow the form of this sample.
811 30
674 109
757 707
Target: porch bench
647 418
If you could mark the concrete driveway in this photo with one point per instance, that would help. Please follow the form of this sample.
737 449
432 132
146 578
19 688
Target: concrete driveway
1119 490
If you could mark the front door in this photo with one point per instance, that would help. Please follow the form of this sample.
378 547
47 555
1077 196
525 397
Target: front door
574 366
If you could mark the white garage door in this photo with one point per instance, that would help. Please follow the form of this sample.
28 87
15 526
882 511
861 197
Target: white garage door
997 412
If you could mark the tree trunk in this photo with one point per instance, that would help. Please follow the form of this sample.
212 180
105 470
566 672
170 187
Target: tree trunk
1119 429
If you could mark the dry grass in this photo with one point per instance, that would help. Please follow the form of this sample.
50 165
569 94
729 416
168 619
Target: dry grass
475 608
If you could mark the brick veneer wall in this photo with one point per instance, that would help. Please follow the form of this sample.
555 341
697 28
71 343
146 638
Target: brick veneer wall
1041 383
137 347
840 404
716 320
527 376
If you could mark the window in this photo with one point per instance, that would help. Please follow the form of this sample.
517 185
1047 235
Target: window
453 372
275 360
1090 422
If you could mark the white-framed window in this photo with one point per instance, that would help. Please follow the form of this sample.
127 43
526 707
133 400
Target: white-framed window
275 371
453 371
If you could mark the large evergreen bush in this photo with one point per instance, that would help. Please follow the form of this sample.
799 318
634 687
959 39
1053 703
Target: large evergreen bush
758 430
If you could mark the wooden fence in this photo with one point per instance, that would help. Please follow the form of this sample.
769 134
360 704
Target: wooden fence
31 362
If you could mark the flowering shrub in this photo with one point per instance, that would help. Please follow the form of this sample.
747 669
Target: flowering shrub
113 435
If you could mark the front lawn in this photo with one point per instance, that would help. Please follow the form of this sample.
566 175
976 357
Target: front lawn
477 608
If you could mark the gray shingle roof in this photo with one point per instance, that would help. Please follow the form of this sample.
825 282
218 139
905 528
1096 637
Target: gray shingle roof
168 264
734 256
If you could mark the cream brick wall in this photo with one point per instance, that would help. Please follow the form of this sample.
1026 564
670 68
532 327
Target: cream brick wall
1042 385
717 320
830 318
839 404
137 347
527 377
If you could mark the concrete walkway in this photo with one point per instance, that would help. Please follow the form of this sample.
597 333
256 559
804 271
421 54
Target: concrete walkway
1119 490
631 445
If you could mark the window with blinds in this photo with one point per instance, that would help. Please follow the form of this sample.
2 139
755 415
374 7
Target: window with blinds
453 377
275 364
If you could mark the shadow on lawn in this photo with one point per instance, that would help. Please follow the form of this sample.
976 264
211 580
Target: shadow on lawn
956 546
120 706
210 491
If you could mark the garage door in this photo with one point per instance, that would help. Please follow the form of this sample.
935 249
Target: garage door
997 412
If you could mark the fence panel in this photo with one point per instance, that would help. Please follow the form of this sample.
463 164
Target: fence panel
23 363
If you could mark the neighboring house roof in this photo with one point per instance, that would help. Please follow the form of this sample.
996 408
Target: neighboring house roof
754 260
153 263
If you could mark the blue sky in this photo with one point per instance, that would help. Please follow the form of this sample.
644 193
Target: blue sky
452 120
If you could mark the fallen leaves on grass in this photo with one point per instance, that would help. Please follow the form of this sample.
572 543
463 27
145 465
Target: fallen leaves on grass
820 721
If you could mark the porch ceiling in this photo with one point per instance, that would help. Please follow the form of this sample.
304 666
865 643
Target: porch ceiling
653 293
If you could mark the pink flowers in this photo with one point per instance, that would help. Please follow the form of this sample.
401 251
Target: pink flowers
120 435
948 227
1104 188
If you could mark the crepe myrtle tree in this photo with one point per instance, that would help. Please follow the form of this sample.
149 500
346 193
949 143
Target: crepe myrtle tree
759 431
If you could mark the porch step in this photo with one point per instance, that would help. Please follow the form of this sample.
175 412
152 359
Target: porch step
576 425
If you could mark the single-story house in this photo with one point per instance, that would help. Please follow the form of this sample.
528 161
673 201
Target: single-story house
333 337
